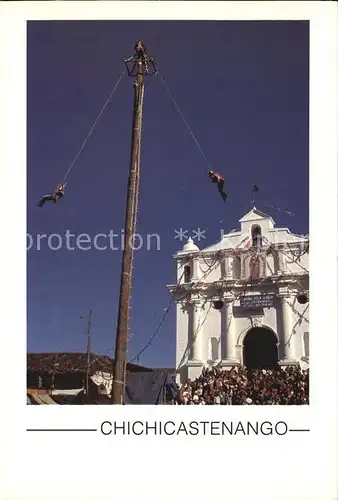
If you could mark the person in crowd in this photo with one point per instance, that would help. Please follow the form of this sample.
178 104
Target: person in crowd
240 386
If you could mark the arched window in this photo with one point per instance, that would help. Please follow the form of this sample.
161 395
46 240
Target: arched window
256 236
187 274
213 349
306 344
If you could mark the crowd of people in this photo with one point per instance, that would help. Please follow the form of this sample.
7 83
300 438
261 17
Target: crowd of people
242 386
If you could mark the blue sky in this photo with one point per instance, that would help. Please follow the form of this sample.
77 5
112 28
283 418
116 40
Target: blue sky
243 88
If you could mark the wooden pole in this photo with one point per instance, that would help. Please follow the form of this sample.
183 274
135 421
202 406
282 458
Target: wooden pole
141 65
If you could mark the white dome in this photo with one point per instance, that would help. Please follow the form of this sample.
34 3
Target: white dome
190 246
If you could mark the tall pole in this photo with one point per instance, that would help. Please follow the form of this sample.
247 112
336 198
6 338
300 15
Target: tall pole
89 348
138 66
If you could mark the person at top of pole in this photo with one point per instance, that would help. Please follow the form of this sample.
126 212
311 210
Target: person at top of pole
219 180
140 50
58 193
141 56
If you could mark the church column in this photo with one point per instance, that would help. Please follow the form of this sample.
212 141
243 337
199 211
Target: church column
223 267
196 351
287 326
281 261
196 270
230 331
229 267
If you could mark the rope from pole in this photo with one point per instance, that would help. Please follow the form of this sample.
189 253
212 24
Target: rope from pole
94 125
185 121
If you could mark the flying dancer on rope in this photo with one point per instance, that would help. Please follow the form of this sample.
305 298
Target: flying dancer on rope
218 179
59 193
60 188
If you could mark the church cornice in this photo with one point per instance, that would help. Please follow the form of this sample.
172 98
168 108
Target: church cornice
238 251
235 285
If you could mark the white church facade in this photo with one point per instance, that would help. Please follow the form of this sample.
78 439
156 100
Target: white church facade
244 300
